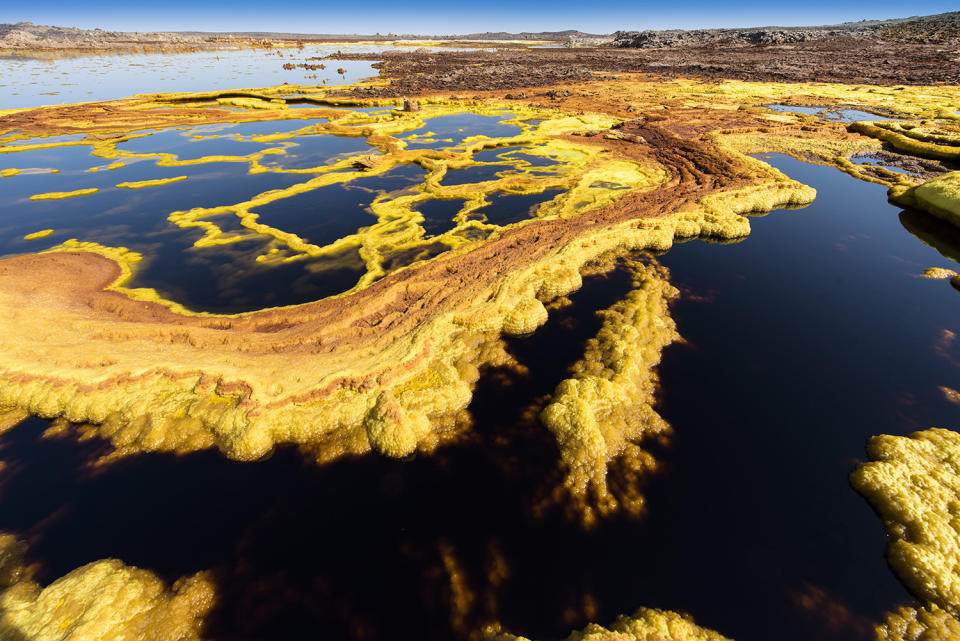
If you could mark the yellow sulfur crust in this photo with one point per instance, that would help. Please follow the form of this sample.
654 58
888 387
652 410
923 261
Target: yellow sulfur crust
105 600
939 196
938 273
150 183
59 195
645 624
43 233
600 412
918 624
913 482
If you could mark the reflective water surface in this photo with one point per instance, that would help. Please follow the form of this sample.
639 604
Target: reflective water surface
27 82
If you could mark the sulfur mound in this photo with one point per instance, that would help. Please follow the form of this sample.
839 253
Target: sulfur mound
939 196
600 413
105 600
938 273
918 624
913 483
43 233
645 624
941 140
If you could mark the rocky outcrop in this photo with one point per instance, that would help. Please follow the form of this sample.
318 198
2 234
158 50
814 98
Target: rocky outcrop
944 27
26 35
721 37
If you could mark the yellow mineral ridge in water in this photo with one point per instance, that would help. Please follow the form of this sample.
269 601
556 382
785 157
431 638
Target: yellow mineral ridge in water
138 184
105 600
59 195
938 273
607 405
918 624
43 233
934 140
939 196
644 625
913 483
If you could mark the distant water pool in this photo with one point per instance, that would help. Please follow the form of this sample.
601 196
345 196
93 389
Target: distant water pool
28 82
829 113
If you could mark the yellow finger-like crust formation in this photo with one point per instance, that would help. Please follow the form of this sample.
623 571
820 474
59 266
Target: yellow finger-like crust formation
60 195
139 184
43 233
606 407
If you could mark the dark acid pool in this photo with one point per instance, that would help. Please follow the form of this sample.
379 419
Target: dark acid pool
230 164
801 341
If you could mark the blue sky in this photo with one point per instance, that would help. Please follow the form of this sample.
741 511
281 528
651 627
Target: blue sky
444 16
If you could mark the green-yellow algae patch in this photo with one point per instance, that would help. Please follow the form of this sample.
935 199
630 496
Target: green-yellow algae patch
646 624
105 600
607 406
43 233
938 273
139 184
913 483
939 196
58 195
7 173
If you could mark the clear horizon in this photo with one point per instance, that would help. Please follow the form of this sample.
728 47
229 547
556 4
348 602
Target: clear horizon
435 17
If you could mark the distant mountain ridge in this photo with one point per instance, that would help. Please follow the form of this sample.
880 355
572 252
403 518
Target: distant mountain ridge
943 27
26 35
940 28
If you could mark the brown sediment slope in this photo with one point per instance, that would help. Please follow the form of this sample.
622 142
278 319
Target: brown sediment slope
838 59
